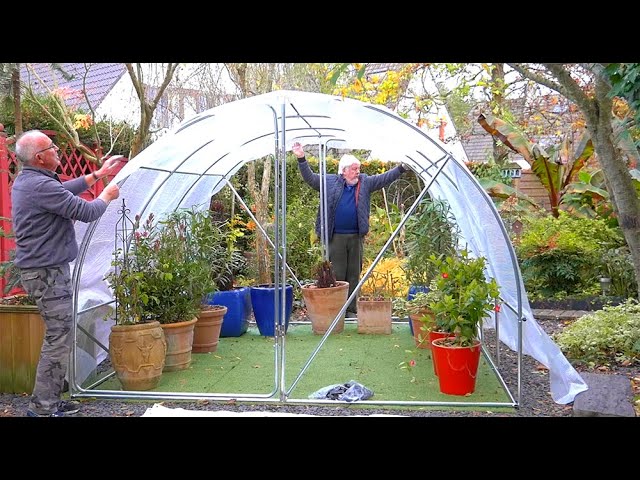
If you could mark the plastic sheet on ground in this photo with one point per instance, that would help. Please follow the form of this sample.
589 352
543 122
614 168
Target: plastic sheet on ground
349 392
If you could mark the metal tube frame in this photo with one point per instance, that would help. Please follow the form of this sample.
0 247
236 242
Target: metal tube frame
280 277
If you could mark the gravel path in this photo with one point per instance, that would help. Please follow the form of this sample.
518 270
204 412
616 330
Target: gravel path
536 399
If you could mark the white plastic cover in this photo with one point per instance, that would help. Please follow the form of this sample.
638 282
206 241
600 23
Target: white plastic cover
186 166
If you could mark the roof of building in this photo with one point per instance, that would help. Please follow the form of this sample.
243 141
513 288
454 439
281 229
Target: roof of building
94 79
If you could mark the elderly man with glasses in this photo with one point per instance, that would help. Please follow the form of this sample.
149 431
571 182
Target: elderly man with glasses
348 209
43 211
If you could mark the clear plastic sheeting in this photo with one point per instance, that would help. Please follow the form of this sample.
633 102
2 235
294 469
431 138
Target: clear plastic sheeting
348 392
186 166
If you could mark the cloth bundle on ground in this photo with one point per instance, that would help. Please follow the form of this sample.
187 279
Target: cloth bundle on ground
349 392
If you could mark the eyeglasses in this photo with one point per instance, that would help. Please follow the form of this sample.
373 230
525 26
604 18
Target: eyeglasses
53 145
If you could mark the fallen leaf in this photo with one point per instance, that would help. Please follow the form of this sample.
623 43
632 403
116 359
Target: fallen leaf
257 366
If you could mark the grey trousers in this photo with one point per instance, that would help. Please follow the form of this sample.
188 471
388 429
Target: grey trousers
51 289
345 253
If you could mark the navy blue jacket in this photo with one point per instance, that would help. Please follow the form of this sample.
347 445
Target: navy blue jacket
335 187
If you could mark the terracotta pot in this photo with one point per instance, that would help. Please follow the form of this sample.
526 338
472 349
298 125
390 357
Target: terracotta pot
420 336
323 305
206 332
179 338
137 354
374 316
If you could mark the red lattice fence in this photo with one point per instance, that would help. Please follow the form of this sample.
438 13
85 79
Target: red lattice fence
73 165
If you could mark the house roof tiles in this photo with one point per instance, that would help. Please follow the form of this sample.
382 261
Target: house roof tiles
96 79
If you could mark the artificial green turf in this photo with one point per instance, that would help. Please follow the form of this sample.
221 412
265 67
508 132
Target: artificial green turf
246 365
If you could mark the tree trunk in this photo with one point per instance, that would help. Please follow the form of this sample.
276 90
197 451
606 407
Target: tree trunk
261 202
147 107
496 103
17 101
597 110
620 184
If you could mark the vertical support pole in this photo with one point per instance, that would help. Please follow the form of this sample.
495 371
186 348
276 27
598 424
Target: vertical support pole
5 204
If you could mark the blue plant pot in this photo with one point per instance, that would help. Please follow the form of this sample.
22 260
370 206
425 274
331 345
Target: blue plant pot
413 289
238 303
263 304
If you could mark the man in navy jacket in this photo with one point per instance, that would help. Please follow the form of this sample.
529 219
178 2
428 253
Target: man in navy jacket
348 209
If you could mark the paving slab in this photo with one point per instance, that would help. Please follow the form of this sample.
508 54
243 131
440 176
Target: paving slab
608 396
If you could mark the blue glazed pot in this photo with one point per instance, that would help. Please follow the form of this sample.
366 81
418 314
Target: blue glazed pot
263 304
238 303
413 289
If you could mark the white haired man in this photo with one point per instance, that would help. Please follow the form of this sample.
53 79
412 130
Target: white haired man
43 211
348 209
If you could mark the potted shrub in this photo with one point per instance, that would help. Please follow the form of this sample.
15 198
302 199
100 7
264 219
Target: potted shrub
137 345
206 236
432 230
226 263
324 298
421 318
463 298
174 278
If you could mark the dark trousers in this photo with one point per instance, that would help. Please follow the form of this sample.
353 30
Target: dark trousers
345 253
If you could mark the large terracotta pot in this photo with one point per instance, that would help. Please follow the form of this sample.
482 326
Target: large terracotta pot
206 332
413 290
323 304
179 338
137 354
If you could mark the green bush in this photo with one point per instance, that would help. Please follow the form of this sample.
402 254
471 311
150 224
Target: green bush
564 256
608 335
618 266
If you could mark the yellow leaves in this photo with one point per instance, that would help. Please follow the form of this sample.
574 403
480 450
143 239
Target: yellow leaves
82 121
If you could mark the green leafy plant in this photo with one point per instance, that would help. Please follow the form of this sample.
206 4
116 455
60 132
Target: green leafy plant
563 256
463 296
166 272
431 231
608 335
618 266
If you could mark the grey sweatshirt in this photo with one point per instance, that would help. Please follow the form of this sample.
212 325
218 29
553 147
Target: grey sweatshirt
43 210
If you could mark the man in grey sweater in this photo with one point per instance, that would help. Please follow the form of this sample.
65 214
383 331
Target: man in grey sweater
43 211
348 208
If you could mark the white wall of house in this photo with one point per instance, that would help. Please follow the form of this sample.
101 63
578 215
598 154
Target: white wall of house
184 97
121 103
